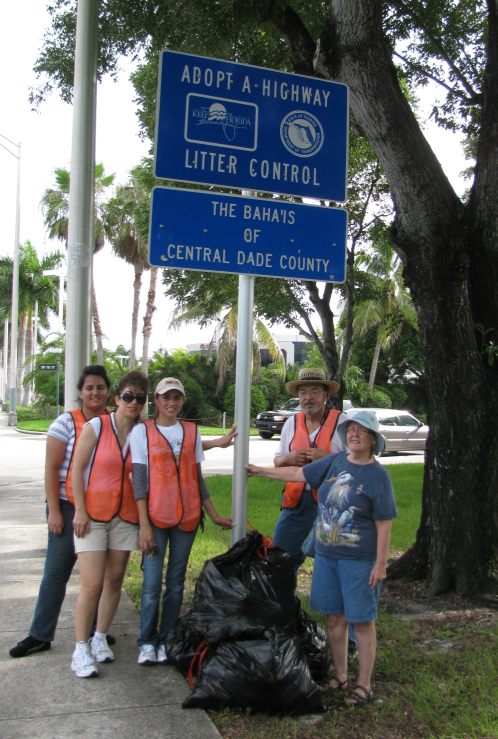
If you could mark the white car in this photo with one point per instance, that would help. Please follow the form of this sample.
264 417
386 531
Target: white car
401 430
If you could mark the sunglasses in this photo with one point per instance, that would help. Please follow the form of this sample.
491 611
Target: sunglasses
128 397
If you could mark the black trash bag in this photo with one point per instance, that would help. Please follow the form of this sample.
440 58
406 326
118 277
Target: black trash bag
269 675
241 593
183 644
315 646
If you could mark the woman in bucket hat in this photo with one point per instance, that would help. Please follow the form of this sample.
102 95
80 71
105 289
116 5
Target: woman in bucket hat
356 507
306 437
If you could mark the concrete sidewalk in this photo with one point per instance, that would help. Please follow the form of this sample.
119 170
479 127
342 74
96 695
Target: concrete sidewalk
40 696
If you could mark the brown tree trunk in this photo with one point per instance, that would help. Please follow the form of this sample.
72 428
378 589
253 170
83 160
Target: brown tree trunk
149 312
97 328
137 286
438 241
450 254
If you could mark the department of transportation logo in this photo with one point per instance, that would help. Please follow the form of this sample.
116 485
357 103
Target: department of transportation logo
301 133
210 120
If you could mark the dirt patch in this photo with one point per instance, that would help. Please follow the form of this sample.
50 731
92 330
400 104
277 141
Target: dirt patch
410 600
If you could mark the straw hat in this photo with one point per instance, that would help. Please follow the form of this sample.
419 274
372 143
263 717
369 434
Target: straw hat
312 376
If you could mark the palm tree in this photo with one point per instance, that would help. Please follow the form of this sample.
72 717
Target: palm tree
126 222
35 289
387 305
55 207
224 342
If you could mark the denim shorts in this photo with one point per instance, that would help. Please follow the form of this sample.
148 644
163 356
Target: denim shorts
341 586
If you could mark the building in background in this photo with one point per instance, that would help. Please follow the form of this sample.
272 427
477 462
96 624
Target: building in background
293 347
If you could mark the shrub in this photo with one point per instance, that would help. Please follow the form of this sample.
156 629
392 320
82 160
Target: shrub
258 401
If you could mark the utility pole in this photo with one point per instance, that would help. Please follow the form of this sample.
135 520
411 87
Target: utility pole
81 199
14 311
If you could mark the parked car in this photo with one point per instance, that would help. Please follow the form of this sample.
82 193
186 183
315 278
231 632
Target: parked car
271 422
401 430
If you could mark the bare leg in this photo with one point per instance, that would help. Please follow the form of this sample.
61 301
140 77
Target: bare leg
114 573
337 628
366 638
92 569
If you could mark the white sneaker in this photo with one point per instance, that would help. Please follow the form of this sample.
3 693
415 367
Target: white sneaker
161 655
100 650
147 655
83 663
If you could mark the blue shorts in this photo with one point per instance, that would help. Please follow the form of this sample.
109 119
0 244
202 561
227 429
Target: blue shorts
341 586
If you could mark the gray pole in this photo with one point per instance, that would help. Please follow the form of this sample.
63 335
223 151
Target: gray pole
243 374
81 199
14 310
5 371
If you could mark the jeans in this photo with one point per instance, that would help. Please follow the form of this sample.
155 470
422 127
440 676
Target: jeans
180 544
59 562
293 526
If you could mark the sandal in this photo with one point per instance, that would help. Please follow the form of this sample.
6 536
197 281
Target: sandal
335 685
360 696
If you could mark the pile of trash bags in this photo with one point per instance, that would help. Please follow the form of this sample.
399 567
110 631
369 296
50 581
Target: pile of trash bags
246 642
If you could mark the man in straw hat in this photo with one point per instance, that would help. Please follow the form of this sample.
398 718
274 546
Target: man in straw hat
305 437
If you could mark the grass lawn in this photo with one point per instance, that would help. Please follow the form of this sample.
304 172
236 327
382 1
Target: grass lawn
42 424
435 676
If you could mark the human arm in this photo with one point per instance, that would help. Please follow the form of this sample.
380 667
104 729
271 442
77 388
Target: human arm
146 540
208 505
54 458
379 570
224 522
284 474
292 459
283 456
86 444
221 441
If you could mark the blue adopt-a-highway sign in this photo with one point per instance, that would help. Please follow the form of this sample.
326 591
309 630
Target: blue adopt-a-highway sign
236 125
210 231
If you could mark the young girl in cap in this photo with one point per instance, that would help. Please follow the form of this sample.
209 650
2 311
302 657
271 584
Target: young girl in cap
170 493
355 510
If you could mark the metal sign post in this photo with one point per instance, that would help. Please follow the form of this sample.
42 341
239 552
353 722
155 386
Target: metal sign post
255 129
243 376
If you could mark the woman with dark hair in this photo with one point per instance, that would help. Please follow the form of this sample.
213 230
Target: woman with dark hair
170 492
105 520
93 386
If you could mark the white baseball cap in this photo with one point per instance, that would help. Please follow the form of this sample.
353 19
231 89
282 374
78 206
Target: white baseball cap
169 383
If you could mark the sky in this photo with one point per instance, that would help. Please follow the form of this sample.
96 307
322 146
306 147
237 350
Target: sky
45 138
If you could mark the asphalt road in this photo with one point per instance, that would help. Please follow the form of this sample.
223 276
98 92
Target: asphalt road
23 455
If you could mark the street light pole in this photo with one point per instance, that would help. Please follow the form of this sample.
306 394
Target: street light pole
14 311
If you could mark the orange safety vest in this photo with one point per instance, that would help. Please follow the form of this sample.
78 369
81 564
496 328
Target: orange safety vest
301 440
174 495
79 421
109 491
